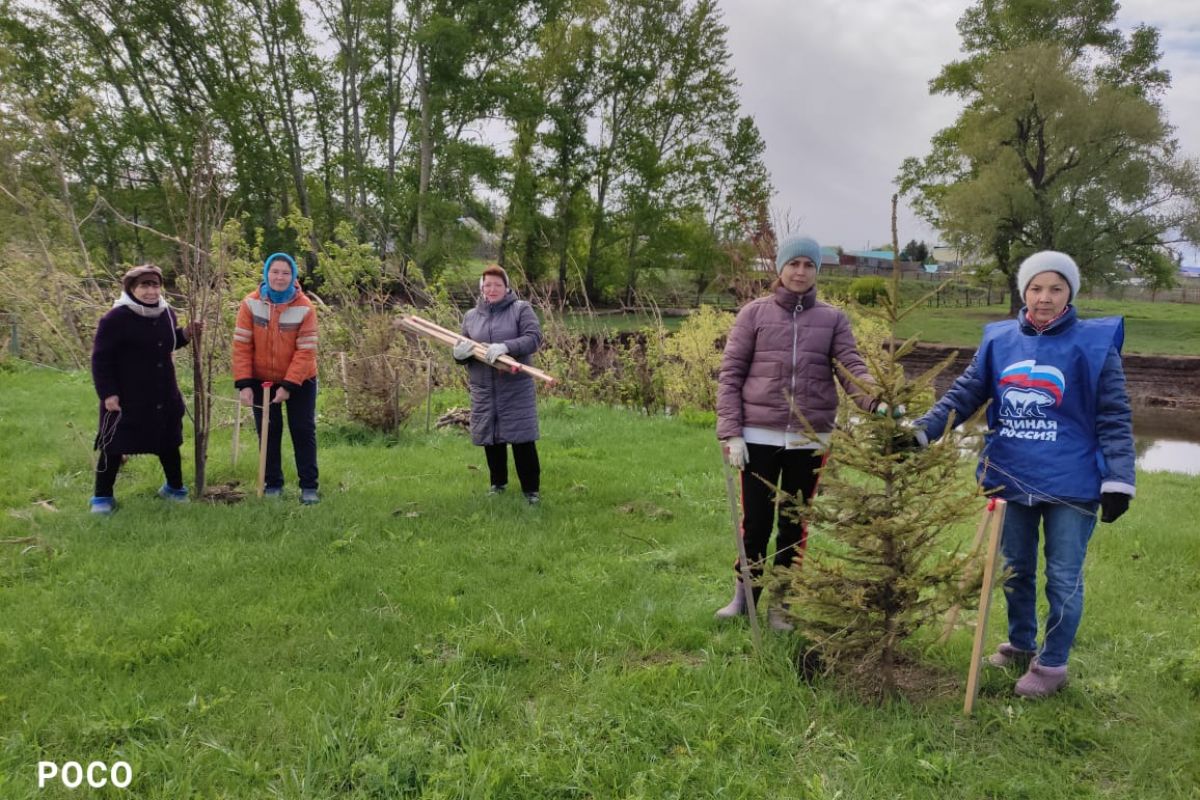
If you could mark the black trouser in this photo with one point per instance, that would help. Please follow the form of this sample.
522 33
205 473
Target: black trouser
795 473
525 455
110 464
302 425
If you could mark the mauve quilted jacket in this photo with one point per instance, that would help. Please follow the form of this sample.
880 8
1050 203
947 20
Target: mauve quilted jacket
779 356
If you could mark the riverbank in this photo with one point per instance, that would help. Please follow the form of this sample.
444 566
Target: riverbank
1153 381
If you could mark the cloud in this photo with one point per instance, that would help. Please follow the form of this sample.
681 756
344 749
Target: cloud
840 93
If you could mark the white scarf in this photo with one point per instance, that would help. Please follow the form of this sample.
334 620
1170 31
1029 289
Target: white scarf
141 309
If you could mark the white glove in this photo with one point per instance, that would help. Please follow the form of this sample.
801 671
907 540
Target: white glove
494 351
736 452
882 409
463 349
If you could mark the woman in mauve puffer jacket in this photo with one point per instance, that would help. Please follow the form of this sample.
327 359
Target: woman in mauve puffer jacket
778 374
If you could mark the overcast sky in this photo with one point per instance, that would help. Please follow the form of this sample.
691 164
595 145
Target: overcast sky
839 90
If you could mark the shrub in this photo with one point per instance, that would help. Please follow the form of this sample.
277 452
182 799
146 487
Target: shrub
693 357
867 290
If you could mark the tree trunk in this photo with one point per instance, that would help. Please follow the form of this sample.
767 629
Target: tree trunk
426 150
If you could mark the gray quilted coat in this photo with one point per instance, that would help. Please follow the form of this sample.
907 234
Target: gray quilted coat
503 405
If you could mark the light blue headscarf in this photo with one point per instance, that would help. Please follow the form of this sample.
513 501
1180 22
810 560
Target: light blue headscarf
265 289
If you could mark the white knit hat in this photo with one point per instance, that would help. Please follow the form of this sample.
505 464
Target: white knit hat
1048 261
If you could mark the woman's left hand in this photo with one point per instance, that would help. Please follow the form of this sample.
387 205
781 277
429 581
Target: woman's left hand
194 329
1113 505
281 394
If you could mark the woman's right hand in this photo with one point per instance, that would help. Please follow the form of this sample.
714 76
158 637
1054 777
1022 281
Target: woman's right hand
112 403
736 452
246 396
463 349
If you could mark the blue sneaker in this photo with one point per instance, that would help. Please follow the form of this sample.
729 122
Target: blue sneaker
273 492
103 505
174 495
309 497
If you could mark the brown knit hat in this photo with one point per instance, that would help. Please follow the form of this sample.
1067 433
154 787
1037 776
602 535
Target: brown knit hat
134 276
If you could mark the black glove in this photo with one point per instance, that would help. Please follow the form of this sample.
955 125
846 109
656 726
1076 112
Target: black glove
905 441
1113 505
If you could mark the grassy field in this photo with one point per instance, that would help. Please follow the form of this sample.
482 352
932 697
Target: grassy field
410 637
1161 328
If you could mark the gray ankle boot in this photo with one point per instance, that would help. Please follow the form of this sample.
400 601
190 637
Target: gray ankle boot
737 606
778 618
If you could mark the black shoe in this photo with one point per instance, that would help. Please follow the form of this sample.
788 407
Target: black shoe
533 498
497 488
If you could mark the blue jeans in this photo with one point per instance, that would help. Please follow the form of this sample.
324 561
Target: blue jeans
302 425
1067 532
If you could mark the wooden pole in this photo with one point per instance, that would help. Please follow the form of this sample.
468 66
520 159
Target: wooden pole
952 615
237 431
345 381
434 331
262 445
428 393
743 565
985 602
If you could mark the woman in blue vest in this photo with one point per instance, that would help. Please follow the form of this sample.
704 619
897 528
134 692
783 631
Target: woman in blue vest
1060 443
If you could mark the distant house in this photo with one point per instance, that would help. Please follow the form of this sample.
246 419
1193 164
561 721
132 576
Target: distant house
1192 273
876 261
829 257
948 259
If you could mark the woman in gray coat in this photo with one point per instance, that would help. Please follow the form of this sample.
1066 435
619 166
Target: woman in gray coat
503 404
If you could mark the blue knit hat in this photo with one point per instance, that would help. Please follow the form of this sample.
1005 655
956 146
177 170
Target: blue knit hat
795 246
266 291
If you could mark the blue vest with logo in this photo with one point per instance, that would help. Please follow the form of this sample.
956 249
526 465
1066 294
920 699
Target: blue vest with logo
1042 444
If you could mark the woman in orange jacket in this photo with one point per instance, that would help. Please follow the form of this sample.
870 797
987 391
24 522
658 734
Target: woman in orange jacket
276 341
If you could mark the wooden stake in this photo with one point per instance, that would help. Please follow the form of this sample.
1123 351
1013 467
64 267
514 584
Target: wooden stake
237 431
744 566
996 525
446 336
428 392
952 614
262 445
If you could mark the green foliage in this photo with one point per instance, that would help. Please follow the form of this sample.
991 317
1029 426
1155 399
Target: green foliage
1061 144
692 359
868 290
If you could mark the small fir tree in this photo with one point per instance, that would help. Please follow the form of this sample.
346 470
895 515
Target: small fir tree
885 559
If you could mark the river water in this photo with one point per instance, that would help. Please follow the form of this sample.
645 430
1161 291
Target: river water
1167 440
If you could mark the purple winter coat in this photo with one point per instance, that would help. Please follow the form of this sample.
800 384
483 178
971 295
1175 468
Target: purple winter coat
503 405
131 358
780 354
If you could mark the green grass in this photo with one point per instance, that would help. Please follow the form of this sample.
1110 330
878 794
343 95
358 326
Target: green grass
1160 328
410 637
1150 328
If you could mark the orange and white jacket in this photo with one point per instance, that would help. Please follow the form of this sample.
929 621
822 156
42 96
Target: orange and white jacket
276 343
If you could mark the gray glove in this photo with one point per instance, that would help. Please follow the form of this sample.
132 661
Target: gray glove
736 452
463 349
494 351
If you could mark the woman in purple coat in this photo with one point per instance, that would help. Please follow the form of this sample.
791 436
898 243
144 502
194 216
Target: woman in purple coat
777 404
141 409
